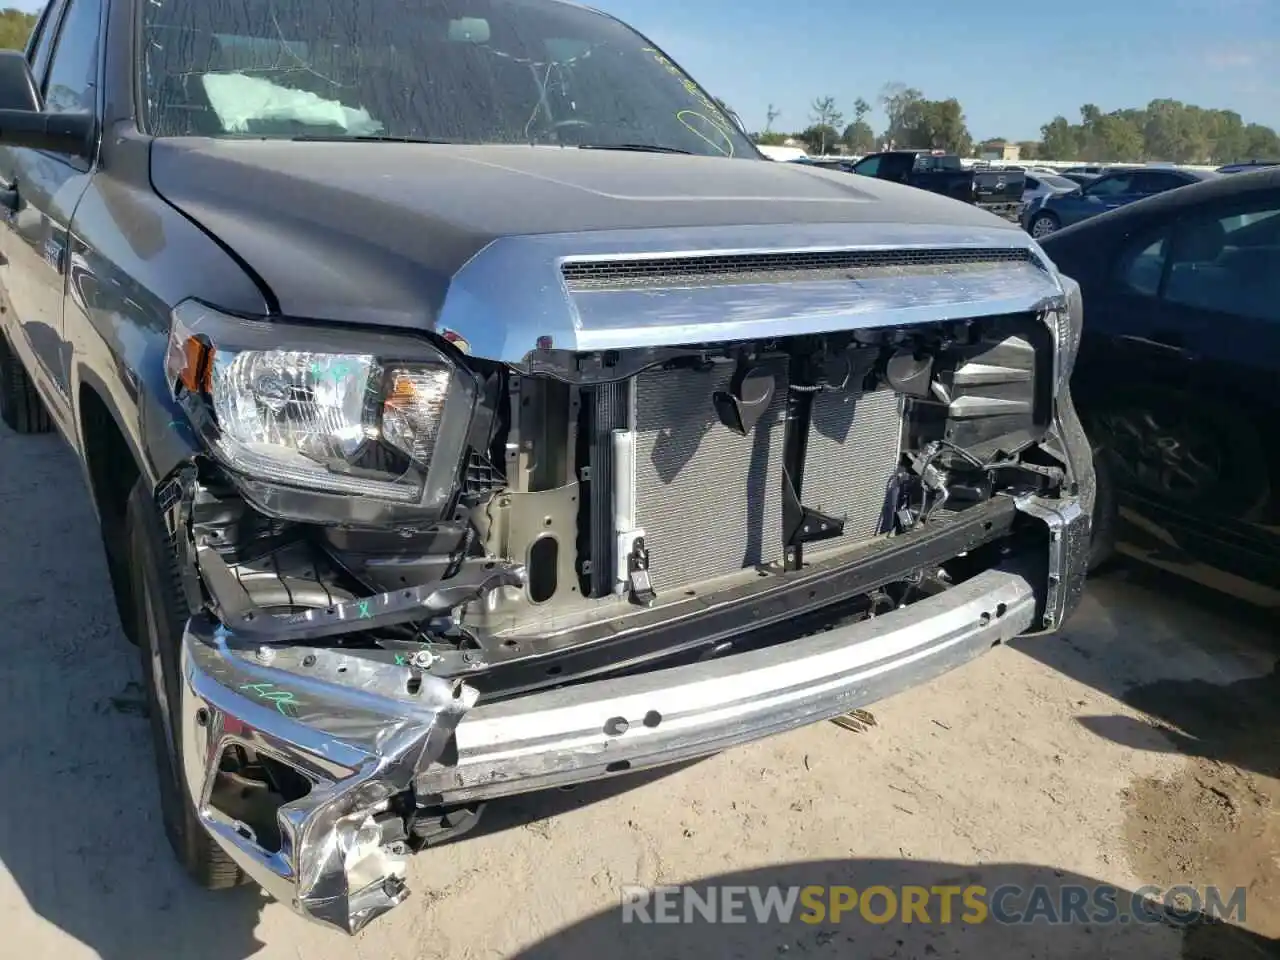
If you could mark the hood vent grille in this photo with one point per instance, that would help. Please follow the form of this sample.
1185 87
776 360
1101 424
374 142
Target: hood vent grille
632 273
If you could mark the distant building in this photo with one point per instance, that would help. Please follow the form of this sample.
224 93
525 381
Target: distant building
1000 151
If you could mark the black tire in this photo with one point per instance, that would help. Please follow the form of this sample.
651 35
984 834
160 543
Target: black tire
161 612
1106 512
20 406
116 547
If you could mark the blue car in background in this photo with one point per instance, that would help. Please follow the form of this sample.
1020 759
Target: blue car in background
1115 189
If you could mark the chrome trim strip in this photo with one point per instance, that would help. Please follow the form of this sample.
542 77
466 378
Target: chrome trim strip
511 302
616 320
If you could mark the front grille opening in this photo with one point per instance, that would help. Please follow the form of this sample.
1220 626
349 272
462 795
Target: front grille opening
616 274
822 476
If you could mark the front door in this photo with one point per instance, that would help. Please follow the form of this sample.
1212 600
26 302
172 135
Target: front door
1191 410
40 192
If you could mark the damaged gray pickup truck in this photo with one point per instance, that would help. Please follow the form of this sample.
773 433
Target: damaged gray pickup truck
469 409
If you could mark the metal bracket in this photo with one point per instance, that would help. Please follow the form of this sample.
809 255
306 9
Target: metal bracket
475 578
815 526
638 584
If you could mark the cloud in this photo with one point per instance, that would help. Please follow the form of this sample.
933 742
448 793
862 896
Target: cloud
1227 59
1243 56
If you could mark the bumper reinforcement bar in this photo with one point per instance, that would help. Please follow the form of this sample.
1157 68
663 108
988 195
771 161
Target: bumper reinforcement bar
363 732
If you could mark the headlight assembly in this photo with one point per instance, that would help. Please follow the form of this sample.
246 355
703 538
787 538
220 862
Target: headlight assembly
327 410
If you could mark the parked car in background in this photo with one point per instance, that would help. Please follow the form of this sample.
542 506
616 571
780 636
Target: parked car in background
1108 192
1095 170
998 191
1045 185
1175 379
843 164
1248 166
1081 179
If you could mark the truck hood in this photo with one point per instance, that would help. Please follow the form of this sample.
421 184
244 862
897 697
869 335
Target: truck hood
385 233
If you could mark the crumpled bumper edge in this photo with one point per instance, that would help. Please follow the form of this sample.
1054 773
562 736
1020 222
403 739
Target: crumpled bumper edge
366 733
357 730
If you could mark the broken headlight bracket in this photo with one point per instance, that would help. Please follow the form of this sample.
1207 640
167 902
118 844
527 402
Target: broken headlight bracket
474 579
210 584
201 564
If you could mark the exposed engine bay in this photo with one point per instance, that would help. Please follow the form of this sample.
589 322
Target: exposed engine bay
587 507
615 559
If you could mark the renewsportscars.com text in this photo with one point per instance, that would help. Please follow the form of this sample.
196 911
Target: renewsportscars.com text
938 904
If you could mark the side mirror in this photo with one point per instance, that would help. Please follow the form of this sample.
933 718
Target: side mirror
23 122
18 90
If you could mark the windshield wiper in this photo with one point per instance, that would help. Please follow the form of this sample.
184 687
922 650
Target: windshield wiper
634 147
371 138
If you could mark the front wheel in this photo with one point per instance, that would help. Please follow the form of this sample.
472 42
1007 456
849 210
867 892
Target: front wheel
1043 225
160 611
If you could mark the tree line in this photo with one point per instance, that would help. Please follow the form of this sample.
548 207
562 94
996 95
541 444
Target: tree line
1163 130
15 27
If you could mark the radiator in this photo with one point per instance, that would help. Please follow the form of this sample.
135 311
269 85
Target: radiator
708 499
853 449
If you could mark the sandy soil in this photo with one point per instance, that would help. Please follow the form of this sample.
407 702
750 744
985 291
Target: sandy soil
1137 747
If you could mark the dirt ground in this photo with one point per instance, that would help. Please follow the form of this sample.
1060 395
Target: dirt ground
1139 747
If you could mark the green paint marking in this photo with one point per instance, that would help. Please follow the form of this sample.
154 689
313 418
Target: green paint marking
335 372
285 700
400 660
363 607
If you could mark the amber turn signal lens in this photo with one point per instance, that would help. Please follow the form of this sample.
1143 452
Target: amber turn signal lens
196 373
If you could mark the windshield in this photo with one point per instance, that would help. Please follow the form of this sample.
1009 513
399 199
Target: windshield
457 71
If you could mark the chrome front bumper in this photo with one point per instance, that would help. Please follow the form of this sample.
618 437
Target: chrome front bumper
362 733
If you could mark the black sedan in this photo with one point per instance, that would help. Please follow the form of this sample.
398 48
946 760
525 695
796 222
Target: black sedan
1178 378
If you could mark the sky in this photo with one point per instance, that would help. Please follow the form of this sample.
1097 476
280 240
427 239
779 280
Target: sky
1013 67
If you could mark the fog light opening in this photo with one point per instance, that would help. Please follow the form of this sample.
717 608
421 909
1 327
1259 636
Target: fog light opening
248 790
